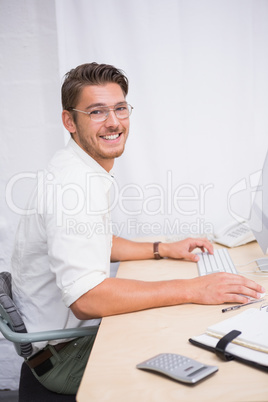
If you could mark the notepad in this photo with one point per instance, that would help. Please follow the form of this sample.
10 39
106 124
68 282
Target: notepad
254 327
251 345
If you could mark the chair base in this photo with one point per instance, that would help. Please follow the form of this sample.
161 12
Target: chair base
30 389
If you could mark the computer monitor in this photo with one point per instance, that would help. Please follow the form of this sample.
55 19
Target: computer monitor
259 215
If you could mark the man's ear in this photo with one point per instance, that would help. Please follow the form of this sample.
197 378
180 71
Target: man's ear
68 121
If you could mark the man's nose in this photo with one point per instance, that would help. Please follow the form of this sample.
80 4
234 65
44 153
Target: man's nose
112 120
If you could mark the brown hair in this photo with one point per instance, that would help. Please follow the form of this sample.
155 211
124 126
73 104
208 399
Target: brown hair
89 74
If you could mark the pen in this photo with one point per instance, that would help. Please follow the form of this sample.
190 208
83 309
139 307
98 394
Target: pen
224 310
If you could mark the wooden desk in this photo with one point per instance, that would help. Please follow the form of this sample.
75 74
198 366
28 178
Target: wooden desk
125 340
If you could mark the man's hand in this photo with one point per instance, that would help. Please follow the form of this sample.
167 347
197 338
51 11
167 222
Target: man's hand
222 288
184 248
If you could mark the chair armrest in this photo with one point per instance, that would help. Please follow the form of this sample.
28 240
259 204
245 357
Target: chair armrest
17 337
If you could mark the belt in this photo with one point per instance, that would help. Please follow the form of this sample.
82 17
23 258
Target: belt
40 362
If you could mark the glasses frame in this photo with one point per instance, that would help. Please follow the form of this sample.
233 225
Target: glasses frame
109 109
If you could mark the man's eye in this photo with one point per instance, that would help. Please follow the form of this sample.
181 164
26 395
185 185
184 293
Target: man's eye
97 112
121 108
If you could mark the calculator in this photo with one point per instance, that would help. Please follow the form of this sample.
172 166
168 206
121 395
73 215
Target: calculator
178 367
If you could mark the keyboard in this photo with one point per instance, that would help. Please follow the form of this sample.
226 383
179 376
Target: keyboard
220 261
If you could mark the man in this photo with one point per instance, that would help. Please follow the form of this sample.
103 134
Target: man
60 274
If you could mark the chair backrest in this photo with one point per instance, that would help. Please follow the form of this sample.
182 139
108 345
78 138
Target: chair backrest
10 313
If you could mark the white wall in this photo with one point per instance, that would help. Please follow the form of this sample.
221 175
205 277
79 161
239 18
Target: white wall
198 83
30 120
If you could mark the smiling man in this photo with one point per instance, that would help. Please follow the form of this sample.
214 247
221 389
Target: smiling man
61 277
105 137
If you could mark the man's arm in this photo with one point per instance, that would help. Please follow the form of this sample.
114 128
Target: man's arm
124 250
117 296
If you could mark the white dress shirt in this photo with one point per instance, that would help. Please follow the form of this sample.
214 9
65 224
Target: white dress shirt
63 243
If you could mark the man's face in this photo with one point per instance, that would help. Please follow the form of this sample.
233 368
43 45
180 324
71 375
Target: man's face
103 140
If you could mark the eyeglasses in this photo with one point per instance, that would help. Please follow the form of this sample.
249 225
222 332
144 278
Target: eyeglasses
101 113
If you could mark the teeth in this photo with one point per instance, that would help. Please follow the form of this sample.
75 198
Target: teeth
111 137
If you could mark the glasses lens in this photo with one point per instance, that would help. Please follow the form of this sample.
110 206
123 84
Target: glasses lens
123 111
99 114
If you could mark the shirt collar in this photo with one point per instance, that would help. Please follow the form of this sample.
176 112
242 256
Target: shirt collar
90 161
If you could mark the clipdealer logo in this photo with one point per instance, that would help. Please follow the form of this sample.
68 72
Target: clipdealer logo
248 189
66 201
169 227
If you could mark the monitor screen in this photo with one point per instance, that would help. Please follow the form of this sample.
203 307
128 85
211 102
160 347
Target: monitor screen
259 211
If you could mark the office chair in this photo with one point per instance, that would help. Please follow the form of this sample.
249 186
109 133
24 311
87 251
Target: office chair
13 329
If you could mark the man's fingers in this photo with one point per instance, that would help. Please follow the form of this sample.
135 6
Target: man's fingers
203 244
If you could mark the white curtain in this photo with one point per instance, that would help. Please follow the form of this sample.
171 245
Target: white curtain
198 72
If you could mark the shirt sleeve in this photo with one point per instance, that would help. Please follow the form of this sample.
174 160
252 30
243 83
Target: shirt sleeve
77 221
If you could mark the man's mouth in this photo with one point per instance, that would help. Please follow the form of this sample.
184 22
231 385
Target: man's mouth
111 136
